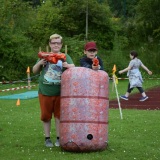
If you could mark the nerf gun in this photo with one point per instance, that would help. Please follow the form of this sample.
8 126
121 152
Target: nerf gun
52 57
95 61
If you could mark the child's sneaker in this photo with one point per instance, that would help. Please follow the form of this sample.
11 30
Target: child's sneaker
48 143
124 97
143 98
57 144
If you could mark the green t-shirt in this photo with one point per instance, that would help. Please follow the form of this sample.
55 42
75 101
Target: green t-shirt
50 78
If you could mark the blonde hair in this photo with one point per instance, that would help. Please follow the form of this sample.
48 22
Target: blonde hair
55 36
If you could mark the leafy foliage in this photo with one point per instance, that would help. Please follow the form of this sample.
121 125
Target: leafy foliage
147 20
15 47
69 19
123 8
116 26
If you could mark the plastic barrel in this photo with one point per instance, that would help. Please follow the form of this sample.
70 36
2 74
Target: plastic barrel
84 110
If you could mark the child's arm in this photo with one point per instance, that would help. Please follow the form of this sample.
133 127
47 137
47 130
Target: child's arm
125 70
145 68
37 67
83 63
66 65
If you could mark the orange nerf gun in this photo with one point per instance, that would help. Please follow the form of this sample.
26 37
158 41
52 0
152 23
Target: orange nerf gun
52 57
95 61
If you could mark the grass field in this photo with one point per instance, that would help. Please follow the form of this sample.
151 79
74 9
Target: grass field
136 137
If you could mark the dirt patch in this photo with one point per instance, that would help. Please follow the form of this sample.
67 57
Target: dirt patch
152 103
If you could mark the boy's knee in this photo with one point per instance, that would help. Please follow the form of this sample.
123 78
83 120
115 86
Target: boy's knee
57 116
46 118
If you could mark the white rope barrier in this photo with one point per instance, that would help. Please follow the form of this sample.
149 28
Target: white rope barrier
10 82
128 78
16 88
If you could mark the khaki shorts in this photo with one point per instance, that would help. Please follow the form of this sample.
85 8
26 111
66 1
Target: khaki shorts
49 105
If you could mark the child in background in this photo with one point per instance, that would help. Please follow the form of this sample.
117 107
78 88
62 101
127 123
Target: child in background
135 77
91 60
49 87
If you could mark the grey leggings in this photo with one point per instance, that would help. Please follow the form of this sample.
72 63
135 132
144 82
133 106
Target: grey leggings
129 90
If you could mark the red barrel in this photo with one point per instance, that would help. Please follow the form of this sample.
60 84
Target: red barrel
84 110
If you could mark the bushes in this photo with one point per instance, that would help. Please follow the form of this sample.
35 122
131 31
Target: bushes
24 29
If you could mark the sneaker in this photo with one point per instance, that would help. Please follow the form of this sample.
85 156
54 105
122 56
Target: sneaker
124 97
143 98
57 144
48 143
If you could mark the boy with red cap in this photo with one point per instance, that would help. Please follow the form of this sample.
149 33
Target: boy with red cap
91 60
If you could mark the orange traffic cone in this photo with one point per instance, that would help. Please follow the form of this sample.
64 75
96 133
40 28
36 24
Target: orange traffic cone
18 102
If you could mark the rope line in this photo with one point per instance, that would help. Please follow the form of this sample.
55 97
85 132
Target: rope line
25 80
16 88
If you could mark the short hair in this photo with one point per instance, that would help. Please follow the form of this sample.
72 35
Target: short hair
55 36
134 54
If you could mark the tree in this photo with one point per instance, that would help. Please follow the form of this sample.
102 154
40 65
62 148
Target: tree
69 19
123 8
147 19
34 3
15 47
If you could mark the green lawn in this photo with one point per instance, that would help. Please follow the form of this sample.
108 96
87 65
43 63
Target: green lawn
136 137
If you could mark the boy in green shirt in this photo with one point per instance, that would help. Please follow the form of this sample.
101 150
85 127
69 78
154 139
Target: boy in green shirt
49 87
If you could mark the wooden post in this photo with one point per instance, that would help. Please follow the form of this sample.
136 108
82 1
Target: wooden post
65 49
47 49
87 21
39 49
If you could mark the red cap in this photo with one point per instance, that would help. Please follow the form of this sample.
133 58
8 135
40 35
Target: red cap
90 45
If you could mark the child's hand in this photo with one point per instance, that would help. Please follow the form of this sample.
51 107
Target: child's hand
120 72
95 67
66 65
149 72
95 61
42 62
